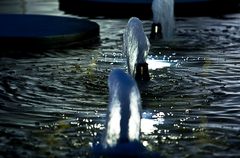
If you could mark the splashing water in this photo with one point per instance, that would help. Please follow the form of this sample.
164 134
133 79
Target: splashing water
124 117
163 14
135 44
53 103
124 113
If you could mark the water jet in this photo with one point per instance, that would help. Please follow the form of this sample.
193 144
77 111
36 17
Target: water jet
123 123
136 47
163 19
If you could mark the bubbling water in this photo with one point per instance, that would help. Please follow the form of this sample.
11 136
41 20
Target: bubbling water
123 124
135 44
124 113
136 48
163 18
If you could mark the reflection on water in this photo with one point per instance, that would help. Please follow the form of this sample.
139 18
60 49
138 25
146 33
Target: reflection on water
53 104
154 64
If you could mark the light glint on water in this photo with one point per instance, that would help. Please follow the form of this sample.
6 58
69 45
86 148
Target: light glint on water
154 64
41 95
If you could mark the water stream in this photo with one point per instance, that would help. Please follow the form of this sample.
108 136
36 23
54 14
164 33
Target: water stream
54 103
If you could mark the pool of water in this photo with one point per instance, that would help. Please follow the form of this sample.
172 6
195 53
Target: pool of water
53 103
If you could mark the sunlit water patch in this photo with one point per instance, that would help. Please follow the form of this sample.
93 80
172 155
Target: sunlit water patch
54 104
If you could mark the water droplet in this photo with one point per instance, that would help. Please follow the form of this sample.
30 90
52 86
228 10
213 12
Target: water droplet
187 110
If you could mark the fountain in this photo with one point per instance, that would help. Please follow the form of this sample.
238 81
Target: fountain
124 115
163 19
136 46
123 123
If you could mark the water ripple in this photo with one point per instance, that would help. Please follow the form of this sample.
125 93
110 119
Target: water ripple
53 104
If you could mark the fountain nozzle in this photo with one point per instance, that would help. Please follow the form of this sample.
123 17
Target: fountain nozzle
142 72
156 31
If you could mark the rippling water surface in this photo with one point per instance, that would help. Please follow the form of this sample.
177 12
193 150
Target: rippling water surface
53 104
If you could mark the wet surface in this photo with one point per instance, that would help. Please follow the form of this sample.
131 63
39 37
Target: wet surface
53 103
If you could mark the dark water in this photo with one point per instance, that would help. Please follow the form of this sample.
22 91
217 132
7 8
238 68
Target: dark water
53 104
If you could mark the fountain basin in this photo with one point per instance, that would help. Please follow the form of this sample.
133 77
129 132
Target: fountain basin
19 31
